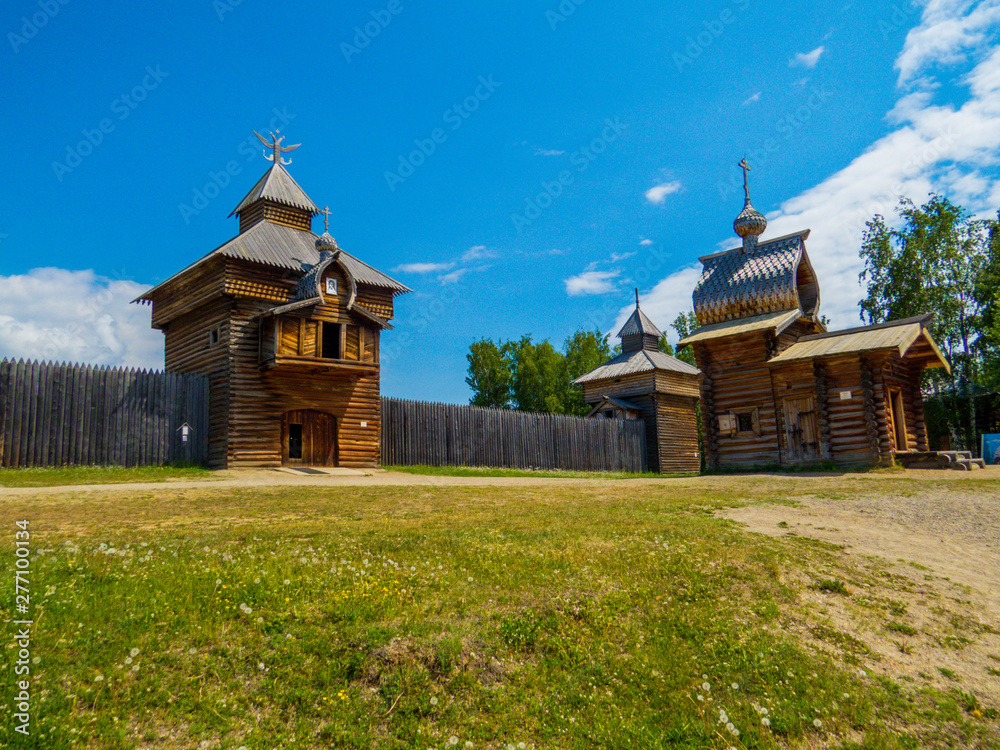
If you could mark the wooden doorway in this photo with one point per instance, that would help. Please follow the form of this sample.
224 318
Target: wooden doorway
801 431
308 438
898 421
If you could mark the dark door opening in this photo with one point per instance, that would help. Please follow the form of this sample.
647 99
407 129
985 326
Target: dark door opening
309 438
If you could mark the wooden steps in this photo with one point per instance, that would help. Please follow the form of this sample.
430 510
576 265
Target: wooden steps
958 460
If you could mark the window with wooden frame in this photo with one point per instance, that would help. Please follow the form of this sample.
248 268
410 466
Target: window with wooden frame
747 422
332 344
215 336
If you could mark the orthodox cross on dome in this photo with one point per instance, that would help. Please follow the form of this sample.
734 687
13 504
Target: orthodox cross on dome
746 171
276 146
326 218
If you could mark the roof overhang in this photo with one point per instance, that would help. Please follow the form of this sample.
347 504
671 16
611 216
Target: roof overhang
775 322
909 338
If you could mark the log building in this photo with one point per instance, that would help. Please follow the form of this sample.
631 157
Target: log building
286 325
644 383
777 387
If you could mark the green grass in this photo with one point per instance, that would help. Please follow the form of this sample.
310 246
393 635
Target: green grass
585 616
66 475
484 471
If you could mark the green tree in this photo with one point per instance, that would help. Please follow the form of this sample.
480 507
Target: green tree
683 325
490 374
988 298
582 352
932 263
538 370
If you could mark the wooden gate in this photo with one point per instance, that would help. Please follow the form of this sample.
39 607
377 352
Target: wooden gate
308 438
801 429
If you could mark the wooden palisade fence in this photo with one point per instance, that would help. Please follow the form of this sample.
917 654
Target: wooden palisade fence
57 415
415 432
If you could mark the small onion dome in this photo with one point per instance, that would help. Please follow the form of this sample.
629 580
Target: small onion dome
750 221
326 242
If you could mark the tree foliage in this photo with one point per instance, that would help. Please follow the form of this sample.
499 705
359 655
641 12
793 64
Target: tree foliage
943 261
537 377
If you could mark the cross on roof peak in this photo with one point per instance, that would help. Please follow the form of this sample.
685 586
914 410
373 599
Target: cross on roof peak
326 218
746 171
276 147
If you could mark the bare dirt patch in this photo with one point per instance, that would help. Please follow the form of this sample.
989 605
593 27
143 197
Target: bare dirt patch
935 553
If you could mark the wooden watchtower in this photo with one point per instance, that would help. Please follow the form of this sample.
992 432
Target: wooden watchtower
642 382
287 326
777 387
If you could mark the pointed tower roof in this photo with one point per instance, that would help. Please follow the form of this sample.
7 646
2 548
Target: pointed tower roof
278 186
638 324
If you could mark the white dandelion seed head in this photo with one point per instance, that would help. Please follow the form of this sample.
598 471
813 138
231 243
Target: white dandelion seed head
434 701
453 740
135 668
256 580
260 620
701 697
218 581
736 686
128 659
765 722
817 723
99 678
706 687
287 582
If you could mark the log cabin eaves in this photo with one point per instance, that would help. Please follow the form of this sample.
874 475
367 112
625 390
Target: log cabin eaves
899 337
631 363
774 322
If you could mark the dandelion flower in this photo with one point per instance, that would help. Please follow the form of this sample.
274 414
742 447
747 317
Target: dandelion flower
218 581
453 740
287 581
468 743
434 701
256 580
736 686
192 650
701 697
765 722
128 659
706 687
817 723
99 678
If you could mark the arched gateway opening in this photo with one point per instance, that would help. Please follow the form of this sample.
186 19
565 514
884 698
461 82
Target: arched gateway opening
308 438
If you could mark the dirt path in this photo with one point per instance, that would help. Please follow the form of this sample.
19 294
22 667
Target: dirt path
945 542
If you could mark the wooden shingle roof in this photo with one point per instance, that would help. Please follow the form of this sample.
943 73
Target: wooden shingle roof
638 324
908 337
278 186
749 282
630 363
775 322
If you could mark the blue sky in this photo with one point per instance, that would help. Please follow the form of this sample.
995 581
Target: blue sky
521 166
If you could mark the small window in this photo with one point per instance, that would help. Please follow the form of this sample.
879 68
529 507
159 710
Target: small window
331 341
214 336
746 422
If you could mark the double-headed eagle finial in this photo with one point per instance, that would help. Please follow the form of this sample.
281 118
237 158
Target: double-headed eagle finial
276 147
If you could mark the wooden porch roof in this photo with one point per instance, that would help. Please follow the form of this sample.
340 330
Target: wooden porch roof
909 337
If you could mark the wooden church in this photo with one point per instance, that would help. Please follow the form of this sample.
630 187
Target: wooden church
286 325
777 387
644 383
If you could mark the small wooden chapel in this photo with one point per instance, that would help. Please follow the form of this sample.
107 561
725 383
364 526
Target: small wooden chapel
777 387
644 383
287 326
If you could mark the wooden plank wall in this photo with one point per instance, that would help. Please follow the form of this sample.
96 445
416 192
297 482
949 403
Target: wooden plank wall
677 434
58 415
415 432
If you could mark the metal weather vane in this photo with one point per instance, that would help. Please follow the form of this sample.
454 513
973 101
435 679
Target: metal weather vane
276 147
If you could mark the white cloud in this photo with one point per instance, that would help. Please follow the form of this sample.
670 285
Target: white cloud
806 59
591 282
644 243
616 257
548 152
951 149
451 278
659 193
946 33
752 99
55 314
423 267
477 252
